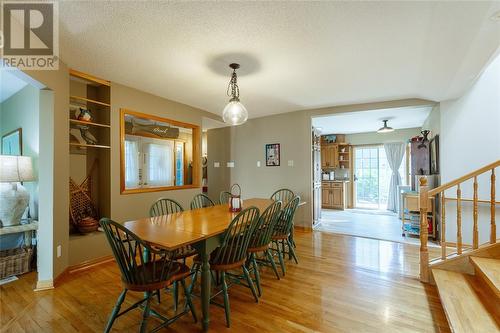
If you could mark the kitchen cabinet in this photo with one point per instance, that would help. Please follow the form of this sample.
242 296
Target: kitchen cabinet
333 194
329 156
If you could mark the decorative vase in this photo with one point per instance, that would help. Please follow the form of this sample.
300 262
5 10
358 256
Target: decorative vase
14 199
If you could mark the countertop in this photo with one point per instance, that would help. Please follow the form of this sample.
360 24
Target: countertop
336 181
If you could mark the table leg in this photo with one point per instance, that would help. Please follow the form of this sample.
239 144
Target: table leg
204 249
205 290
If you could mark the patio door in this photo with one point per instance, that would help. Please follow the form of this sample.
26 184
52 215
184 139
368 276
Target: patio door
372 175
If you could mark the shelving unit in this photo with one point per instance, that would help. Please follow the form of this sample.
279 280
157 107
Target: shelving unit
410 222
93 94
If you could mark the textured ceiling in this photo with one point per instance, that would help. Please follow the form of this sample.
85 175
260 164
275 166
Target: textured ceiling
371 121
294 55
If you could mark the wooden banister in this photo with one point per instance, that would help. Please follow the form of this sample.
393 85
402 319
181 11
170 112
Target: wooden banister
424 195
424 231
464 178
493 227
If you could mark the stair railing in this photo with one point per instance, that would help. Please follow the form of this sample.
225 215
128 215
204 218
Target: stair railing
439 192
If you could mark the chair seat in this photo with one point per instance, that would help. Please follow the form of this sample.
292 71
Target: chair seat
257 249
178 271
279 237
219 266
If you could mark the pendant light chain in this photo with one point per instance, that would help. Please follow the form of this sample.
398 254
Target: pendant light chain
233 87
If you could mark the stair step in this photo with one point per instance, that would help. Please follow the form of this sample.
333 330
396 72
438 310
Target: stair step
466 303
488 269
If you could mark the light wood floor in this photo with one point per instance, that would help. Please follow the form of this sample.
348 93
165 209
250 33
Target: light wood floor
342 284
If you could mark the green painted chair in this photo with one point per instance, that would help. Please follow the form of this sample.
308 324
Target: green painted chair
201 201
224 197
285 195
144 269
232 255
165 206
282 231
260 241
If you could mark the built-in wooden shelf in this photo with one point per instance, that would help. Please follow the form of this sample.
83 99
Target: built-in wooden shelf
87 145
89 100
82 122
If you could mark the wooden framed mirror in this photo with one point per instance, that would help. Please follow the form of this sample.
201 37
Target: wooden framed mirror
157 154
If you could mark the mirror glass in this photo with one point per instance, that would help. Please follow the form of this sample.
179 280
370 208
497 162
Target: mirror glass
157 153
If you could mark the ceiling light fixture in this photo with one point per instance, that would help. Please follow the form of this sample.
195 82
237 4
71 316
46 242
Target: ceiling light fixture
385 128
234 113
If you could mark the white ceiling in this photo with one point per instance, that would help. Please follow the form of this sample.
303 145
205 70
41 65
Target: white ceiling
9 84
294 55
371 121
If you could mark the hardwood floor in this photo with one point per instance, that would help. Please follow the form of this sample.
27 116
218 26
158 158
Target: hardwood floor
342 284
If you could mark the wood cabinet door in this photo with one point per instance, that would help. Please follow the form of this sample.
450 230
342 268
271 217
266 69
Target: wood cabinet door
337 197
335 156
323 157
325 197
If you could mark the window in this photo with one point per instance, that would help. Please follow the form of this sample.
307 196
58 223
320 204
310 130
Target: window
157 155
373 176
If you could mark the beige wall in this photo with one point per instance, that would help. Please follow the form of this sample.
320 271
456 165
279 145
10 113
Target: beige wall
245 145
218 150
54 160
53 170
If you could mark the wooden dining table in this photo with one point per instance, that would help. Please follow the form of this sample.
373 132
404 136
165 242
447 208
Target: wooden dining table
201 228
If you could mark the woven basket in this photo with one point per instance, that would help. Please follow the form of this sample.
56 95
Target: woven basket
15 261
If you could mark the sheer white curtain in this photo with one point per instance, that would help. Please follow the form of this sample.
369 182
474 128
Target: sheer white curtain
394 152
131 164
160 162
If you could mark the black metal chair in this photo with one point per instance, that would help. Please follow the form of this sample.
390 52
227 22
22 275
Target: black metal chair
260 241
144 269
224 197
165 206
232 254
201 201
282 231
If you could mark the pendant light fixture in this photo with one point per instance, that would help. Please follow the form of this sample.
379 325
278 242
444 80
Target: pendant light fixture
234 113
385 128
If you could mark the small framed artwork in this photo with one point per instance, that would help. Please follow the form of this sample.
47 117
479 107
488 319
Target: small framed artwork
12 143
434 152
273 154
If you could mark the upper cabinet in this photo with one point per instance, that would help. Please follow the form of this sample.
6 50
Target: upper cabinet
334 152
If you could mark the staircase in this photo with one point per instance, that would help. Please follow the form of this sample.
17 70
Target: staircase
471 302
468 277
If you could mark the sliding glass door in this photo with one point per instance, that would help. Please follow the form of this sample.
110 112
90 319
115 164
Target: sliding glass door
372 176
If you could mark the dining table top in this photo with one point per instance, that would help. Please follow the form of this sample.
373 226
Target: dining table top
176 230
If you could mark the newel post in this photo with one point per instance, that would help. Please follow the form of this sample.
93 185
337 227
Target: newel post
424 232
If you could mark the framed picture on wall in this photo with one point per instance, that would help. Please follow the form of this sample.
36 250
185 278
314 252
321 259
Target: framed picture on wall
434 152
273 154
12 143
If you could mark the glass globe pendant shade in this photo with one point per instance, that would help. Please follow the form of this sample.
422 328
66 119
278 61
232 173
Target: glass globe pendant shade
234 113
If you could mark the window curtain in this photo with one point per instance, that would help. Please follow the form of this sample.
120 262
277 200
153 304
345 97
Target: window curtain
131 164
394 152
160 161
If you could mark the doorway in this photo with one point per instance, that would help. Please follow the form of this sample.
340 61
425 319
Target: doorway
372 175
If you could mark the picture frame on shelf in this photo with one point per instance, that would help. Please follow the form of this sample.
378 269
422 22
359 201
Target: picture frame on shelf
273 154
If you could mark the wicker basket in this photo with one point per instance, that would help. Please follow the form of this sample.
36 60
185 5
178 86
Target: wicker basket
15 261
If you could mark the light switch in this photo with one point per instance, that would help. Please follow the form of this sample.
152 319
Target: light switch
290 163
216 164
258 164
230 164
